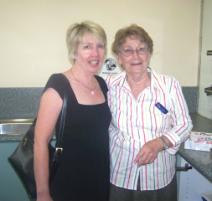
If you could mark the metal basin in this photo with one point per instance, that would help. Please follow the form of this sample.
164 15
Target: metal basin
14 126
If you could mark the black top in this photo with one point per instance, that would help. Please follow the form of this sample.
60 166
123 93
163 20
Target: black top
83 173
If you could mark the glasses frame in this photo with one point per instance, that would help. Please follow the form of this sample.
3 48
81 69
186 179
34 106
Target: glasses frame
127 52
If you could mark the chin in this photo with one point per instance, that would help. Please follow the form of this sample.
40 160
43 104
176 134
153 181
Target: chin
95 70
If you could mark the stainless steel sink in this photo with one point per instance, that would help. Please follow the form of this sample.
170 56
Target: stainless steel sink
14 126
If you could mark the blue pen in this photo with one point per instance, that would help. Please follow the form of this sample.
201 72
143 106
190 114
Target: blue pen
161 108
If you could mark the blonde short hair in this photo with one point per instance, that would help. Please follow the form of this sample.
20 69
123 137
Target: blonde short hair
76 32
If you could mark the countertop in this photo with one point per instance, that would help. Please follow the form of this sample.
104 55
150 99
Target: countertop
200 160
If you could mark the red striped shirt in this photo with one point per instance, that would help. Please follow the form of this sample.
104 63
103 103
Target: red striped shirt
136 121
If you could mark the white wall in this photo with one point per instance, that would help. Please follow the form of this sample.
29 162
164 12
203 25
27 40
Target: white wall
205 102
32 35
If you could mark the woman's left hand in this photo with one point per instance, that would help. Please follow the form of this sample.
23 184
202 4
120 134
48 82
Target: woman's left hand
149 152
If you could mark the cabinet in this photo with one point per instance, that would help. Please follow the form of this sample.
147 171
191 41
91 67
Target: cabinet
11 188
192 184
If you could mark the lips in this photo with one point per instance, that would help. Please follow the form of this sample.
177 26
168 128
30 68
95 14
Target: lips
94 62
136 64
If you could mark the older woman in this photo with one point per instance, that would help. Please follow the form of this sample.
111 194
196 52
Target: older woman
150 120
83 173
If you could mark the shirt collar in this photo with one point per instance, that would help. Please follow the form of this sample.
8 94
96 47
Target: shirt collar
154 77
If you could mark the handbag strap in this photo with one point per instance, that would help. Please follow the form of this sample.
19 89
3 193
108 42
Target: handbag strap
58 146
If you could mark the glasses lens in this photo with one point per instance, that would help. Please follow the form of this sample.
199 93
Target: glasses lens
129 52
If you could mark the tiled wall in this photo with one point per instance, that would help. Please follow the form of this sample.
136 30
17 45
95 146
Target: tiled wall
19 102
23 102
191 97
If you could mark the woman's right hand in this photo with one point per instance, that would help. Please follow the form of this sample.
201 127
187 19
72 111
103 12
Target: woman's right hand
44 197
149 152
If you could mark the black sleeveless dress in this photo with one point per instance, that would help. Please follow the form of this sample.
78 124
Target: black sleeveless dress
83 173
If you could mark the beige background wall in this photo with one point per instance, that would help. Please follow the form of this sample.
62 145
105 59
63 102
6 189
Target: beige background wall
32 35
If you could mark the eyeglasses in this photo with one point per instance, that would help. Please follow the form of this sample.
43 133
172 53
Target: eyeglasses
129 51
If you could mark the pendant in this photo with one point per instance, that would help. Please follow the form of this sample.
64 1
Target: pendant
92 92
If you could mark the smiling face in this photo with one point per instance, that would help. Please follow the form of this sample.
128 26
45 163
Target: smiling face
134 56
90 53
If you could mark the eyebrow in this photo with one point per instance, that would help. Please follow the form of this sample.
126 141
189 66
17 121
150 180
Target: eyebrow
142 45
87 43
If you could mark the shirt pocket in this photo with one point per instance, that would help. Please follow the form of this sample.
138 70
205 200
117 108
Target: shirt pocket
162 120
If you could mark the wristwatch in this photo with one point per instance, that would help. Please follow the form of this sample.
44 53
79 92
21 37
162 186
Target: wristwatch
165 145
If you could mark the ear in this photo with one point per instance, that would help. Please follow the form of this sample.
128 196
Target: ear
149 57
74 55
119 59
120 62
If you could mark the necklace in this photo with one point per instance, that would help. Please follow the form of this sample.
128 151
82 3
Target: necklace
91 90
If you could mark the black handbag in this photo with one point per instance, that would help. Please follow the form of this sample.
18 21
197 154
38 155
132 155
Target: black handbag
22 158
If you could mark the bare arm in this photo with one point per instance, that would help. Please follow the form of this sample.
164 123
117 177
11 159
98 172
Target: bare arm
50 106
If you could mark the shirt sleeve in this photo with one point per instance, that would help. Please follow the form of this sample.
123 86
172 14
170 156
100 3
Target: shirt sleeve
58 82
182 123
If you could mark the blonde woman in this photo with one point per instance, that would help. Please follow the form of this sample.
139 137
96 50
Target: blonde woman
83 173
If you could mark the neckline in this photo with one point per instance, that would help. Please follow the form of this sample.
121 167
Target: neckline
91 90
74 96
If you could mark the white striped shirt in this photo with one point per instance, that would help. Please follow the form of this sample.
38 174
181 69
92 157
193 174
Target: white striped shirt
136 121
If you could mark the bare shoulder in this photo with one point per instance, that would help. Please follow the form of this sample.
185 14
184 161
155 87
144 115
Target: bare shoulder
50 94
50 100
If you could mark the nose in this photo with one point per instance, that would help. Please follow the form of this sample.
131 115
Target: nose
95 51
135 53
